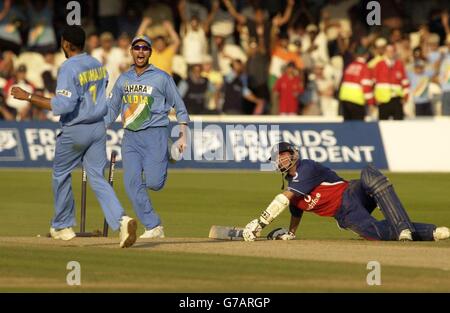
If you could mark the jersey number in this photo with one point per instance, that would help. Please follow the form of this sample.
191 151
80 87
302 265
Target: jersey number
93 91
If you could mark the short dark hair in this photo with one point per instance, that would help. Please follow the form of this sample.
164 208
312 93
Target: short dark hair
75 35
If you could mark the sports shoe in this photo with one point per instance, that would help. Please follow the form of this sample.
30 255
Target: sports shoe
405 235
157 232
128 227
63 234
441 233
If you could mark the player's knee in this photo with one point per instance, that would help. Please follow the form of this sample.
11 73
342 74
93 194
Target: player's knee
155 185
373 180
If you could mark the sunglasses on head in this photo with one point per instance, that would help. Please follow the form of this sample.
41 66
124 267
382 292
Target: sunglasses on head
141 47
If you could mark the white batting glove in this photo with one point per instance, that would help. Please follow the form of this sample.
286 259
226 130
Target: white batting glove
280 234
252 230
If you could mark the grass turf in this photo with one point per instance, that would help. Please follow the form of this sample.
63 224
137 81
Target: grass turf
189 204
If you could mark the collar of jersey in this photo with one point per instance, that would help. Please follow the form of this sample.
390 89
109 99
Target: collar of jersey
148 69
79 55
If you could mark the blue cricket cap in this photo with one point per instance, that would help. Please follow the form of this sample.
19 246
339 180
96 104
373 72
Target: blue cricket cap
141 38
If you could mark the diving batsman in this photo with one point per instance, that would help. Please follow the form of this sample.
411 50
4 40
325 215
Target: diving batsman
315 188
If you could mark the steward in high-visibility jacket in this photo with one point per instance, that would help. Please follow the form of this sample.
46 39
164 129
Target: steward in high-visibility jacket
356 88
391 86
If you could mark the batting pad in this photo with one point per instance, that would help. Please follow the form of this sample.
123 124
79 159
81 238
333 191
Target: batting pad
226 233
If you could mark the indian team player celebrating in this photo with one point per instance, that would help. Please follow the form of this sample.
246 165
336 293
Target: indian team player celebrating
80 102
144 97
315 188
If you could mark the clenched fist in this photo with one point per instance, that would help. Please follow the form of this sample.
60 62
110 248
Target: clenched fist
19 94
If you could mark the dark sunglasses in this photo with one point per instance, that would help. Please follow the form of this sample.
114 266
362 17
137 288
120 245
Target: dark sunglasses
143 48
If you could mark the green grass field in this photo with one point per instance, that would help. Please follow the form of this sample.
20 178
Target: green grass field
323 258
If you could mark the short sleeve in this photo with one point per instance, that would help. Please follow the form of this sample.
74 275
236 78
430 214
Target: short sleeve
66 95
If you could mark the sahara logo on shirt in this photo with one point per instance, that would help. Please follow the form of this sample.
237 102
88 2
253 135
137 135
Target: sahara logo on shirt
133 94
138 89
64 93
138 109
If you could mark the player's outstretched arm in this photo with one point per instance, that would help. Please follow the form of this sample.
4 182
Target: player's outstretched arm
38 101
253 229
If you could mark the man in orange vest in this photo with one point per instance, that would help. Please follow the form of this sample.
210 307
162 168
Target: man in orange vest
391 86
356 88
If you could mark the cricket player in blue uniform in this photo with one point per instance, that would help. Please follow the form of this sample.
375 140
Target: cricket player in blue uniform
80 101
144 97
316 188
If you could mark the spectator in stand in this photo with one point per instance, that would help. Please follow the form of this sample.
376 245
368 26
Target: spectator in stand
391 86
11 18
432 53
258 69
258 26
38 114
238 98
420 85
163 52
20 110
6 65
193 33
281 56
318 44
380 48
357 87
215 78
125 60
324 88
5 113
444 78
49 73
226 52
197 8
92 42
195 91
110 56
155 16
289 87
41 37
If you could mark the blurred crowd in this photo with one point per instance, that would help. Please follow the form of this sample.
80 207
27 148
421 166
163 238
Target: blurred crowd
279 57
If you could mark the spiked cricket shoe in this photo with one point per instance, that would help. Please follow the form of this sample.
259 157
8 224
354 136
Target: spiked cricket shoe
157 232
441 233
405 235
128 227
63 234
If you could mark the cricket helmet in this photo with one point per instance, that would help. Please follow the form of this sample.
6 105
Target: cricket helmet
284 164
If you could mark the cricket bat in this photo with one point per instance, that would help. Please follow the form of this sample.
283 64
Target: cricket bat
226 233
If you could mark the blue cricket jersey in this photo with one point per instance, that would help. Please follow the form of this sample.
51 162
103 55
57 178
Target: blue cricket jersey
80 91
145 100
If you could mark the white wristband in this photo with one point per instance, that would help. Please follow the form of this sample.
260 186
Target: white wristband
29 96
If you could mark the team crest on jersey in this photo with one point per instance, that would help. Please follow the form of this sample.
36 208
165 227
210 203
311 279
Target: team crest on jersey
64 93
